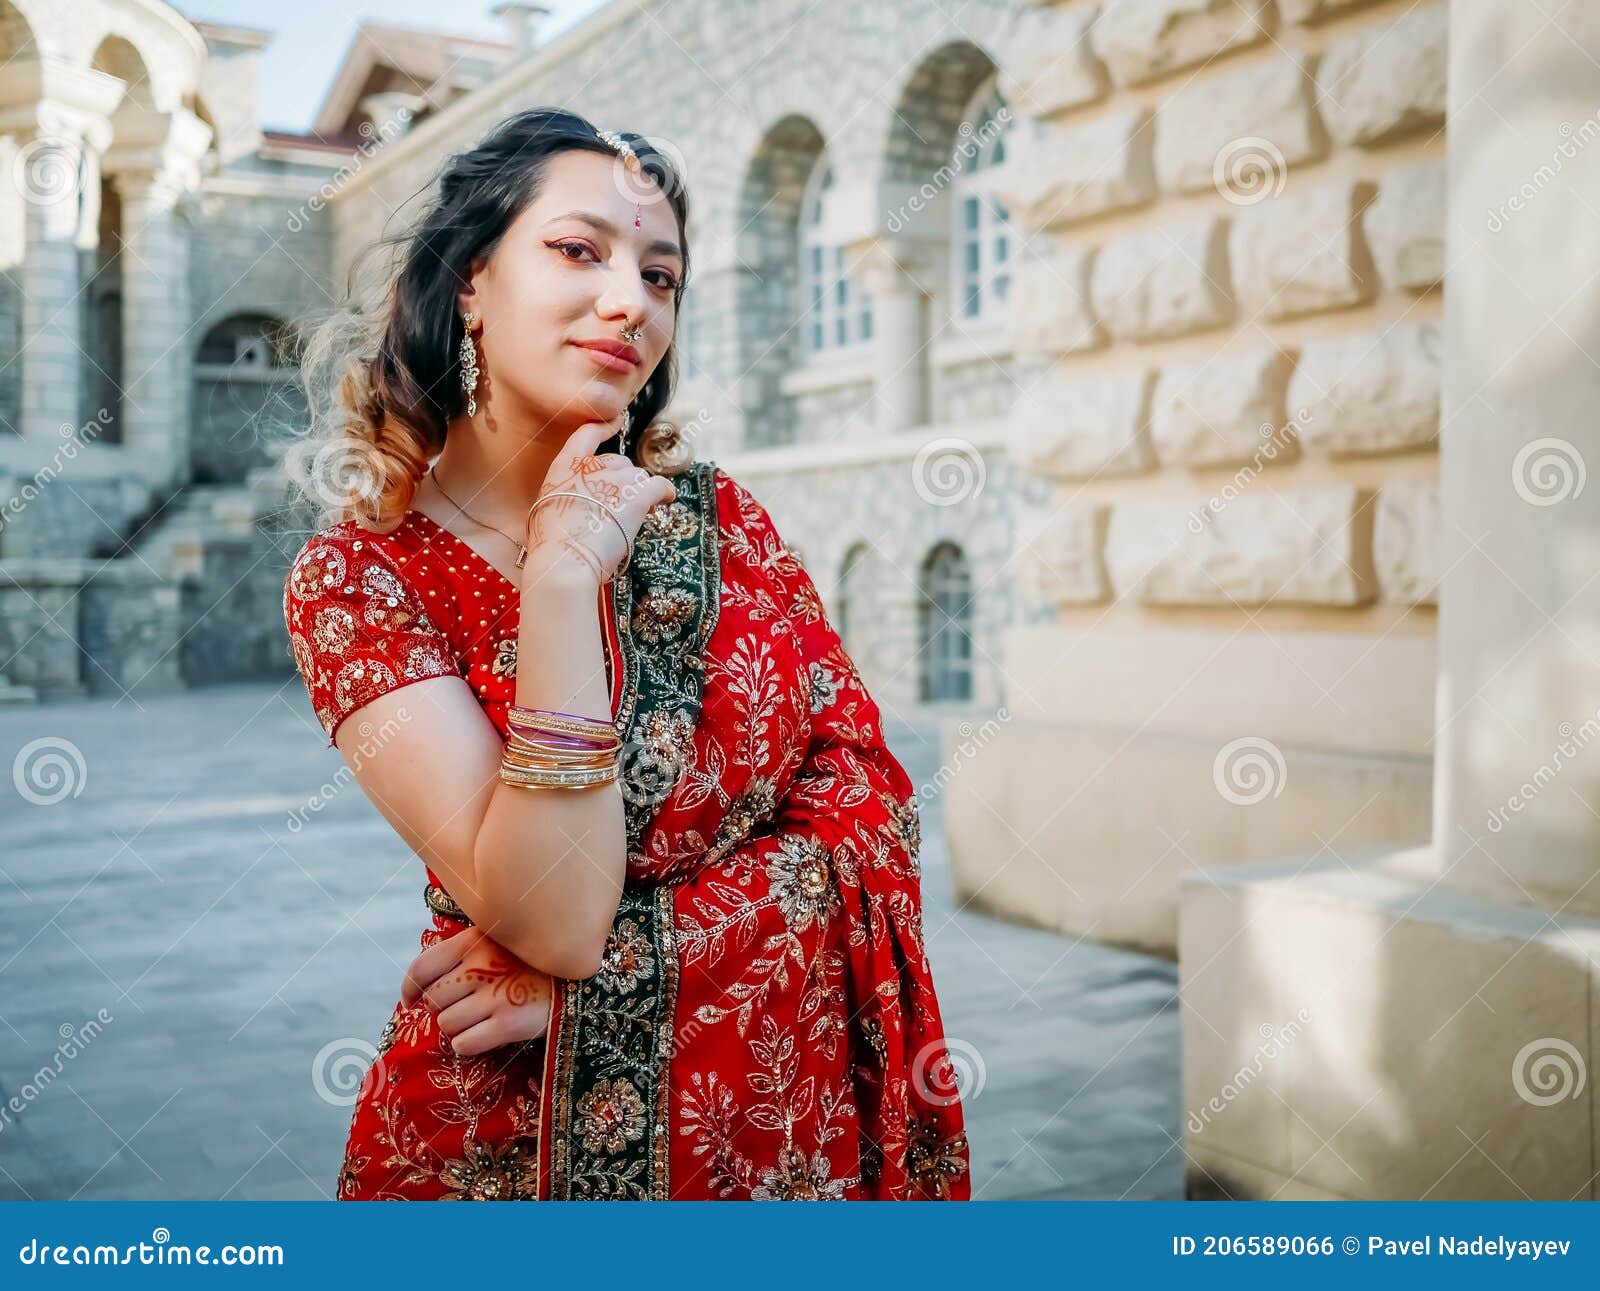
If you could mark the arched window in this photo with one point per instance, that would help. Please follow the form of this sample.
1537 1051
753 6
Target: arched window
247 399
837 314
944 636
855 601
247 343
981 239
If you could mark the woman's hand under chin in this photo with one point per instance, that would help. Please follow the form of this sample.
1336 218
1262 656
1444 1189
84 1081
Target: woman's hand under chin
482 994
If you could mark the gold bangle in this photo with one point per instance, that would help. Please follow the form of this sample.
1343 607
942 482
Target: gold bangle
535 761
627 555
524 778
544 757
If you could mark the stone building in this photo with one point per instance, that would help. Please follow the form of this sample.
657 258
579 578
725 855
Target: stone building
1096 358
156 248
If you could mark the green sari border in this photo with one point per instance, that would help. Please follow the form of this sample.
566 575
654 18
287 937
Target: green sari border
606 1091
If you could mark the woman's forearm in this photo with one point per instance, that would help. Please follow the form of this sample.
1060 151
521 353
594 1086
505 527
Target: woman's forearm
549 863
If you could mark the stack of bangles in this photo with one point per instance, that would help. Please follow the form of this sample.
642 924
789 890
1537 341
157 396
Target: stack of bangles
558 750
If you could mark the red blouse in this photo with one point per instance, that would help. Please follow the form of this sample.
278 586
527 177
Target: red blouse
765 1023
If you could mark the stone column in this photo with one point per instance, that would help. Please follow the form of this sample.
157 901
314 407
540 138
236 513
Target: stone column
56 176
899 276
157 314
1517 785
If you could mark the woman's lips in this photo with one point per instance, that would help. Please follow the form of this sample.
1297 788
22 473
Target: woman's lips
611 362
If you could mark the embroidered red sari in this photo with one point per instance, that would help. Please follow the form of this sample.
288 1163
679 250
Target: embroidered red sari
765 1023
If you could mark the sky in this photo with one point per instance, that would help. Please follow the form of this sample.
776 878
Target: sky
310 38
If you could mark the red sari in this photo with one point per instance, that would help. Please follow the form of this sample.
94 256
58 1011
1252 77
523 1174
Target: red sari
765 1023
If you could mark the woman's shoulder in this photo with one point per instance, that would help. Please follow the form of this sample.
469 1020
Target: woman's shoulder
737 504
349 559
750 537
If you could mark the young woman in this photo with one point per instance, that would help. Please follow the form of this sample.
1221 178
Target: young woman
676 945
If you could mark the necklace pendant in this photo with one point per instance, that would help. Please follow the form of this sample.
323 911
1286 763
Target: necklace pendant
522 555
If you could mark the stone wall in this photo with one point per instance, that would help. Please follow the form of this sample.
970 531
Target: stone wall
1234 222
1243 234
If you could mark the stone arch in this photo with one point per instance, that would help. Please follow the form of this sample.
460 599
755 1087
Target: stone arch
120 57
923 128
247 399
766 301
166 48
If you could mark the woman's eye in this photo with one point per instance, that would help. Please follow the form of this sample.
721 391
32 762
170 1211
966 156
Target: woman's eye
663 280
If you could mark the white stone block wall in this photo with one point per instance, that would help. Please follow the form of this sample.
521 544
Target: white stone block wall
1283 286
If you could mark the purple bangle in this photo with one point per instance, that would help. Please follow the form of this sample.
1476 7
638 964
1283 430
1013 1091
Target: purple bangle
553 737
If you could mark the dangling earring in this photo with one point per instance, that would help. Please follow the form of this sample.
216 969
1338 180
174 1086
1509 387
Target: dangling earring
622 435
469 362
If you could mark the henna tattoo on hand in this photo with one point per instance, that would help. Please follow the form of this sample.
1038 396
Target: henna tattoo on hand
521 985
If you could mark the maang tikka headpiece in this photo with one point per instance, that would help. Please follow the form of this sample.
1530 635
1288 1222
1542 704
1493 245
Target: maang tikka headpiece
630 159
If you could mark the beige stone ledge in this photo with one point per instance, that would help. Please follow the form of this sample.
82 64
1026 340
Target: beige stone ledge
1419 1033
1090 832
1213 1174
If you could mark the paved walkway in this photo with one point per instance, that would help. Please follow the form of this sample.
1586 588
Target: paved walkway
227 948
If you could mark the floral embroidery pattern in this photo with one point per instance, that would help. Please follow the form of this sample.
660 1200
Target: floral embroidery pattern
610 1116
824 687
505 658
802 880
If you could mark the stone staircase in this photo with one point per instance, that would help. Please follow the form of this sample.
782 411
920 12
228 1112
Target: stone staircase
13 694
174 542
194 597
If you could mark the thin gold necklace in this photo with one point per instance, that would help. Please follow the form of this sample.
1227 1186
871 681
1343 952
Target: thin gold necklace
515 542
